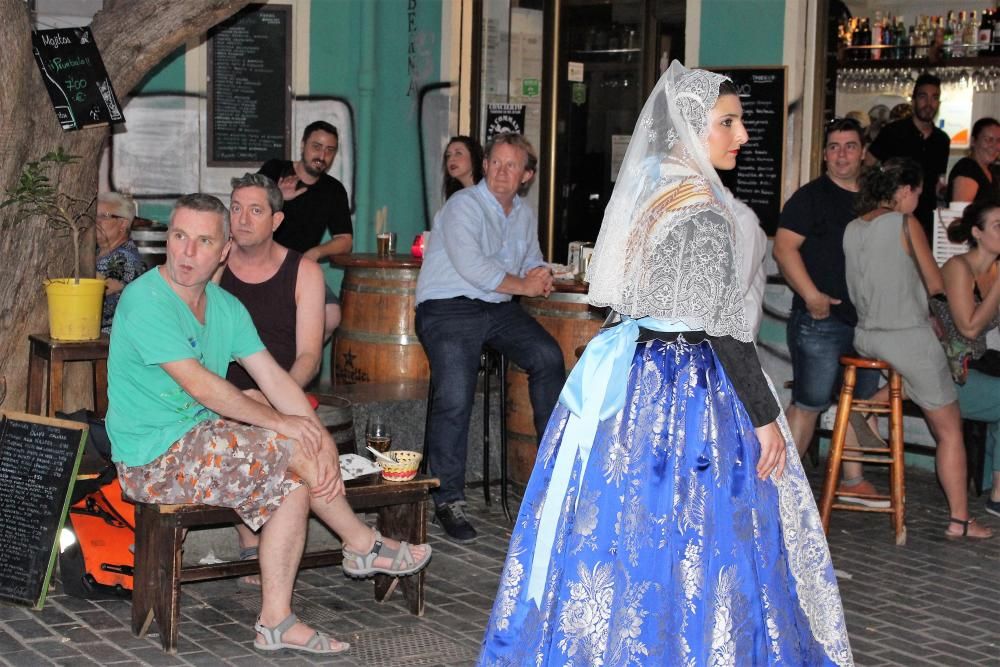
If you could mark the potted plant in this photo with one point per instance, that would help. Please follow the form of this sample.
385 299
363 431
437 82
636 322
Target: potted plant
74 303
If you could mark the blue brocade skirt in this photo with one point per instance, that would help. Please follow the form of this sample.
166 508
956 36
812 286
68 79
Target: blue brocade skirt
669 550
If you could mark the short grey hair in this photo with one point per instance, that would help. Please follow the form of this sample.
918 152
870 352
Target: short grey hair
121 204
248 180
199 201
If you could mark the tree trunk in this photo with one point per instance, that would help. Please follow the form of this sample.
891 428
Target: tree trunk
134 36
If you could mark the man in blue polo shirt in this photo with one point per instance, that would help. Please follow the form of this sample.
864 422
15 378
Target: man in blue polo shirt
483 251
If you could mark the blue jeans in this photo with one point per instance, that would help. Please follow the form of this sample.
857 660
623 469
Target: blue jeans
816 347
453 332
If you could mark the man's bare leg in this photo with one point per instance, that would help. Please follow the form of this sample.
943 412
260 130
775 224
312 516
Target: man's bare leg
282 540
337 514
802 424
248 540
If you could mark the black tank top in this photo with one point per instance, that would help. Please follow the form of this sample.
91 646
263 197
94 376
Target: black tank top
272 309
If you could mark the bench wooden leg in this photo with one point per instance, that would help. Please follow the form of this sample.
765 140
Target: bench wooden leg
157 583
144 581
404 522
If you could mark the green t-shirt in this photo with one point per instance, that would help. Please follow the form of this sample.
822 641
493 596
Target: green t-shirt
148 411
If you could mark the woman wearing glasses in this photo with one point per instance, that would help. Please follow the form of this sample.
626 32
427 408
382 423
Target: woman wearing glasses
118 260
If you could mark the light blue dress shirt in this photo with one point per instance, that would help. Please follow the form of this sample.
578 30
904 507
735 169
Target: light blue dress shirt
474 245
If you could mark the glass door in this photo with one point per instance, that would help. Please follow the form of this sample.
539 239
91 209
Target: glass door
611 53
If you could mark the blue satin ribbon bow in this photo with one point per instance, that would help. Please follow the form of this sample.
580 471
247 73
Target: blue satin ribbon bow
595 391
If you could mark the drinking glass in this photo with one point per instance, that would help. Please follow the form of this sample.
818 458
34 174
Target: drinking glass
378 434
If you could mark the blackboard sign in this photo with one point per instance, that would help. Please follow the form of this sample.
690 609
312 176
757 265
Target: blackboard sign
39 457
249 87
759 173
75 77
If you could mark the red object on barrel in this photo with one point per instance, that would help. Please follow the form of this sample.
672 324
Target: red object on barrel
417 249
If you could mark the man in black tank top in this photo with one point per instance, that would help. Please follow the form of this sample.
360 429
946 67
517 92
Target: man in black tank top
282 290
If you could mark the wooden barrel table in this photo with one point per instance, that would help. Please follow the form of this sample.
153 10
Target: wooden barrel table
572 322
376 340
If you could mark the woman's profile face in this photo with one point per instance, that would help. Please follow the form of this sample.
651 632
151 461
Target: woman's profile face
458 162
726 132
906 199
988 238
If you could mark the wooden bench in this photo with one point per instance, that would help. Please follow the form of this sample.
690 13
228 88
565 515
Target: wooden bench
159 535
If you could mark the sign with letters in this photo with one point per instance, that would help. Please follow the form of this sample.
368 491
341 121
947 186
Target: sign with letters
759 174
504 118
74 75
39 458
249 87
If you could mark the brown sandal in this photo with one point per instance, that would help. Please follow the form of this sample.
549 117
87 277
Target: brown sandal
965 531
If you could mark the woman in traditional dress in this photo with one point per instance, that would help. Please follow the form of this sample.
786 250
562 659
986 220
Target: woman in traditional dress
668 521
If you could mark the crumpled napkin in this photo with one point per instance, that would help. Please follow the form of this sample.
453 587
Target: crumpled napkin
563 272
352 465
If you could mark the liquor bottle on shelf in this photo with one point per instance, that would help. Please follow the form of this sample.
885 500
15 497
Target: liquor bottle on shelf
985 35
995 42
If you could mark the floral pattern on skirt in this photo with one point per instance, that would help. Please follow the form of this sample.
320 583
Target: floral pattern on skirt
669 549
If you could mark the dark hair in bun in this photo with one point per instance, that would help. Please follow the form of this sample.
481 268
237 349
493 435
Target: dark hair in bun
879 184
974 215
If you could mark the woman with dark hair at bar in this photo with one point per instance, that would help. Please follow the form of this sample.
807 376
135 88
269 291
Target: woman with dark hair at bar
973 288
461 165
890 274
668 520
974 178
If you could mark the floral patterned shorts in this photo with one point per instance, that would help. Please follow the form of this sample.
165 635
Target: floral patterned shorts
218 462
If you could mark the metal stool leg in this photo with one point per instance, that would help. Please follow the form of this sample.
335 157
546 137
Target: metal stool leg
486 360
502 375
425 461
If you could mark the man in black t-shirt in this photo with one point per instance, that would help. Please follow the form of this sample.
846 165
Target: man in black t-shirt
918 138
810 252
315 203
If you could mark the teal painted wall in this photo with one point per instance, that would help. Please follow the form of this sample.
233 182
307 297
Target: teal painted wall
334 69
742 32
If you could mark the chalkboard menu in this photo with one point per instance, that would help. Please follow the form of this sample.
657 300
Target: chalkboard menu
758 177
249 91
39 457
75 77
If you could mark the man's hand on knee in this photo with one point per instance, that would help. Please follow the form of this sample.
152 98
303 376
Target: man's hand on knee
310 435
329 482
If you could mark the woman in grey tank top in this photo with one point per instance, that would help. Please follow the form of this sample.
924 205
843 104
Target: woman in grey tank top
890 272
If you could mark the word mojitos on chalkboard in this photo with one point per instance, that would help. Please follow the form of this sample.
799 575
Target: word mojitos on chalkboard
39 457
75 77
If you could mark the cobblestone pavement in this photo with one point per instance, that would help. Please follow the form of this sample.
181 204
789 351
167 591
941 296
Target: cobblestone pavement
932 602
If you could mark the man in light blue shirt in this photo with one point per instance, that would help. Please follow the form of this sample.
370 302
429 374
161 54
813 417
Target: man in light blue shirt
483 251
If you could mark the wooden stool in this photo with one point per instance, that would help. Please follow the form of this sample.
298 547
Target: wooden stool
490 362
892 455
48 354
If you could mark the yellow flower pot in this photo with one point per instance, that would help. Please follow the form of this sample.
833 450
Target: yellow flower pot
75 308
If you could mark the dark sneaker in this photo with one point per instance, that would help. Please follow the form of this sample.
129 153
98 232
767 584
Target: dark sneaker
451 517
993 507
